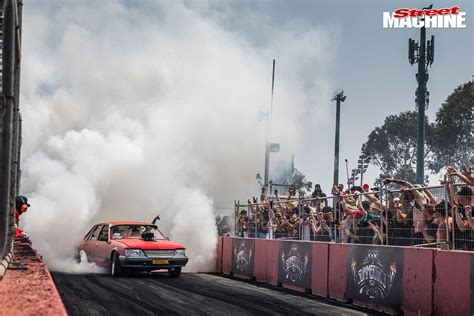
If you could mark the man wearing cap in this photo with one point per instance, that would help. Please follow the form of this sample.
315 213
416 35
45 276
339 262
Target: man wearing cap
21 206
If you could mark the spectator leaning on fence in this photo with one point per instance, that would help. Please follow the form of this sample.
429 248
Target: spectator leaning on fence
465 176
419 199
439 216
318 193
461 206
413 217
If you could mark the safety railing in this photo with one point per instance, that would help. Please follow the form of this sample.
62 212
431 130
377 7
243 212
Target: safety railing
435 216
225 222
10 130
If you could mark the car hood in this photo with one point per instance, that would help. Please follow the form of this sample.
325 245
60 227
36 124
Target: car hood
155 244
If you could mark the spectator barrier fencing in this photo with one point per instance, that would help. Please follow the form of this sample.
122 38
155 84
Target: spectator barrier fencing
414 280
395 217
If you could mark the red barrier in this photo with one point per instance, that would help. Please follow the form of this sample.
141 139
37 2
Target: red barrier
319 283
417 281
337 274
260 263
272 262
246 249
227 255
452 283
219 255
434 281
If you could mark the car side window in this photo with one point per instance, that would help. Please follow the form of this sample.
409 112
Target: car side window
88 235
104 234
95 234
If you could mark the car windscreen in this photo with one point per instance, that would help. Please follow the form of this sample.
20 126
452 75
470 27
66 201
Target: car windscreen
134 231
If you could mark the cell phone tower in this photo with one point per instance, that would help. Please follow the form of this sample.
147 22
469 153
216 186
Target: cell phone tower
422 53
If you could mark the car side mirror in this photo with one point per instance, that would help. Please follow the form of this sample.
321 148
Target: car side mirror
103 238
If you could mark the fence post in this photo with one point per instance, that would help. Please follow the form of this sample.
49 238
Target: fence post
383 193
446 215
6 121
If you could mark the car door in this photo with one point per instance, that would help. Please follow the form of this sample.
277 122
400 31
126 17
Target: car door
102 246
90 245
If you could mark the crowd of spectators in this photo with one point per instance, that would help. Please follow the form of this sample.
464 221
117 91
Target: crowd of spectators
404 214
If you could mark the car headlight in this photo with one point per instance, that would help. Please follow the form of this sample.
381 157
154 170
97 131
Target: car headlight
134 253
180 252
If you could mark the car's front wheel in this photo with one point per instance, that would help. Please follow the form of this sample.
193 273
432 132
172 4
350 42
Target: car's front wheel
115 269
82 257
174 272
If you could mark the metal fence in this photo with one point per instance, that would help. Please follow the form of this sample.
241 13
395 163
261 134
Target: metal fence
10 129
225 223
436 216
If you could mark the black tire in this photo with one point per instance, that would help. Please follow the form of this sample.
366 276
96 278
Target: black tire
82 255
174 272
115 269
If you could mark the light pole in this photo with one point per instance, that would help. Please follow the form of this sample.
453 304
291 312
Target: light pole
423 54
362 165
338 97
269 127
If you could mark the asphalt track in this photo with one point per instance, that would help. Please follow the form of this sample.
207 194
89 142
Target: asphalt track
190 294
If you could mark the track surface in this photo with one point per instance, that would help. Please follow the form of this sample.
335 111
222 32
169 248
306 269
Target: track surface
190 294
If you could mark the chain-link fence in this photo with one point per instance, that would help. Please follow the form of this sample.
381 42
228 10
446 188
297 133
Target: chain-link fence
417 217
225 222
436 216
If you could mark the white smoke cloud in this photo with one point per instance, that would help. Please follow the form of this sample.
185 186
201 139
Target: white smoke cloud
133 111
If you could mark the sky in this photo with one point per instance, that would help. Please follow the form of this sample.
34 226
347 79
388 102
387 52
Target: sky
370 64
133 108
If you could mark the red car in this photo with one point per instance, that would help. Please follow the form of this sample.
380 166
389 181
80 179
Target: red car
126 246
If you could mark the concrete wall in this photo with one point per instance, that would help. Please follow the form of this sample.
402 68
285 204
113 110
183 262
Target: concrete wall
423 281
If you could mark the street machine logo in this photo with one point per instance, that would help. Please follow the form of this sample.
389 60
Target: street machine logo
295 264
243 256
427 17
374 275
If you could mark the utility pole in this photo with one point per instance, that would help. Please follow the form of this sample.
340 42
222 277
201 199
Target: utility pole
423 54
269 127
338 97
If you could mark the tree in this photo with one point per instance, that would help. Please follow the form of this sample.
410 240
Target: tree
298 180
392 147
452 138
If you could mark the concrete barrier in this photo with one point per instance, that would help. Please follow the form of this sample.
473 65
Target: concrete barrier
385 278
243 257
418 281
272 262
472 284
319 283
219 254
337 273
227 255
260 263
451 290
29 288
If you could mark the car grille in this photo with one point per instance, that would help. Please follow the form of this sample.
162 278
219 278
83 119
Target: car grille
159 253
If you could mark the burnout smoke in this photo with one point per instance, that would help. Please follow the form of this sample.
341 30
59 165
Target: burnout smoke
133 112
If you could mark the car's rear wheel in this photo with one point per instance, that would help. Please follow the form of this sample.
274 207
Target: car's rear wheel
115 269
174 272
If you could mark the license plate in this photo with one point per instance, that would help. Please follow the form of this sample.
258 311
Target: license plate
160 262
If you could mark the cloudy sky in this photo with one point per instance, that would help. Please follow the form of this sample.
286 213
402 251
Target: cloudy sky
136 107
370 63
